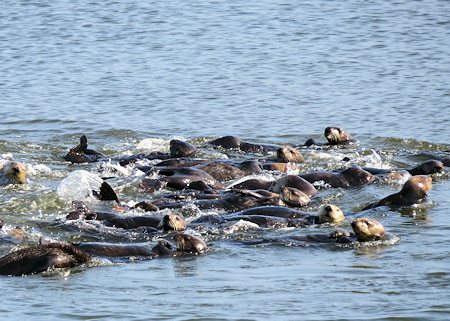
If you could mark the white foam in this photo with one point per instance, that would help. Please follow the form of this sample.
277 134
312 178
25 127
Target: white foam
242 226
153 144
38 169
78 185
8 156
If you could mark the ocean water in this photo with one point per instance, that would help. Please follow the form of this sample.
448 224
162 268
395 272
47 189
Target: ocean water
131 75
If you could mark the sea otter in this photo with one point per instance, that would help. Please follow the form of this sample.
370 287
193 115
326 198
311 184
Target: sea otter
12 172
40 258
81 153
350 177
364 230
233 142
178 149
180 178
226 170
168 222
288 154
184 245
412 192
425 168
236 199
293 181
335 136
277 217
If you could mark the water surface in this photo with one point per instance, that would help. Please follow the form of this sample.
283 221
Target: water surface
267 71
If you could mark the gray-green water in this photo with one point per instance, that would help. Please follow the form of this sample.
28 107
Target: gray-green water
267 71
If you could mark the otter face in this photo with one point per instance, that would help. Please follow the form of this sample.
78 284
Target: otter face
331 214
189 243
289 154
336 136
172 222
294 197
367 229
15 172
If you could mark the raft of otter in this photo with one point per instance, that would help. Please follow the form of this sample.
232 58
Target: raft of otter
188 198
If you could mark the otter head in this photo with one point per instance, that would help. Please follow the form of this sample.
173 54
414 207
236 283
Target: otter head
417 187
428 167
367 229
289 154
189 243
15 172
331 214
172 222
179 148
294 197
336 136
357 176
18 233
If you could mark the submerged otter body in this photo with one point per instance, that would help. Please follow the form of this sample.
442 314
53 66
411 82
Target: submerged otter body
364 230
40 258
278 217
328 213
233 200
186 177
167 223
349 177
125 250
226 170
233 142
293 181
426 168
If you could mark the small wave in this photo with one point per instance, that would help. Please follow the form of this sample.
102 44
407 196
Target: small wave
78 185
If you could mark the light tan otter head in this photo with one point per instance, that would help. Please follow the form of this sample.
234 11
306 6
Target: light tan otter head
417 187
15 173
172 222
294 197
367 229
18 233
336 136
331 214
289 154
189 243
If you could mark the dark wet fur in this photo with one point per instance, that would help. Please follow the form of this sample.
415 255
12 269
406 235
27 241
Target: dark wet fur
39 258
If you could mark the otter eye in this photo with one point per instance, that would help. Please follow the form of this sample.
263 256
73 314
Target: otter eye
177 218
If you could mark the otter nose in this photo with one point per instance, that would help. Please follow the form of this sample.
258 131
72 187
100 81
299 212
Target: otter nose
328 208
